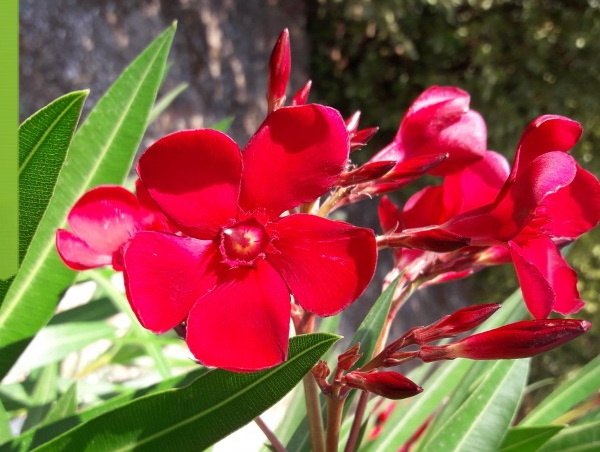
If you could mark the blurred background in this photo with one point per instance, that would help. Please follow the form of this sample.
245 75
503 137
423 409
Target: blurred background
517 59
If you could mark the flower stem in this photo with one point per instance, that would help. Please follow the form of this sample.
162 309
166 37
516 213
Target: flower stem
277 445
335 409
356 423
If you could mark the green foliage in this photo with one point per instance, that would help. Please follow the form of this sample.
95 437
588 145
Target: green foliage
194 417
101 153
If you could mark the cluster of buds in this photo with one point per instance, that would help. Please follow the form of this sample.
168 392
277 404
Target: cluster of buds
517 340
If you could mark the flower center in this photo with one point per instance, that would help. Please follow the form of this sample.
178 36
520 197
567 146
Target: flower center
243 242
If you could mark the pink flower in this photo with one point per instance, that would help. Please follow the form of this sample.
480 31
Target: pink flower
102 222
439 134
230 276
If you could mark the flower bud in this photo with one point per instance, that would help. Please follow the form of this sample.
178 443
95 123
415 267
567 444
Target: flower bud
362 137
347 359
517 340
320 370
391 385
352 122
365 173
464 319
301 97
280 65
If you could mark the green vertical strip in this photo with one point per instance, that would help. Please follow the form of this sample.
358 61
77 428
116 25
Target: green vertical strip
9 123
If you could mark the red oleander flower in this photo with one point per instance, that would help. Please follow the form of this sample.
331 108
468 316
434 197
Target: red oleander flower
102 222
439 134
545 201
230 275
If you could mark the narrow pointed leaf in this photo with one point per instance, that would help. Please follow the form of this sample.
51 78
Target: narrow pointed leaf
55 342
42 434
579 438
5 432
480 423
44 392
65 405
43 142
195 417
101 153
369 329
528 439
579 386
163 103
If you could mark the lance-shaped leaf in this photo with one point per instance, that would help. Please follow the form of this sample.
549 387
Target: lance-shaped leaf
101 153
43 142
528 439
194 417
480 423
579 438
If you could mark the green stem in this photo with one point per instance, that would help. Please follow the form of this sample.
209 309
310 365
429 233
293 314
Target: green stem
356 423
153 350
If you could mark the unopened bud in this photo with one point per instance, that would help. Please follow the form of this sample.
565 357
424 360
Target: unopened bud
391 385
320 370
280 65
517 340
365 173
347 359
464 319
352 122
362 137
301 97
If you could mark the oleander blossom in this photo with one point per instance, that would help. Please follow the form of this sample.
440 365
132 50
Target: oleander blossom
230 273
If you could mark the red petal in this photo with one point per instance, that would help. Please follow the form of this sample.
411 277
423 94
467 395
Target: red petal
477 184
390 217
165 275
194 177
105 218
571 211
295 157
326 264
77 254
547 281
545 134
418 211
243 324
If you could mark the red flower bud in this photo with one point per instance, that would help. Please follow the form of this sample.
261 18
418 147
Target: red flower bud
280 65
517 340
362 137
464 319
347 359
320 371
352 122
301 97
391 385
367 172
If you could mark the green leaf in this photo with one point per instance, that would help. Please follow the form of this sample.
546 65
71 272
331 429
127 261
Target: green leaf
528 439
44 433
566 396
65 406
44 392
579 438
101 153
43 142
99 309
163 103
371 326
480 423
223 125
194 417
5 432
55 342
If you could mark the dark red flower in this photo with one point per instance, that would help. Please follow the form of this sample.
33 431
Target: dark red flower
231 277
101 222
